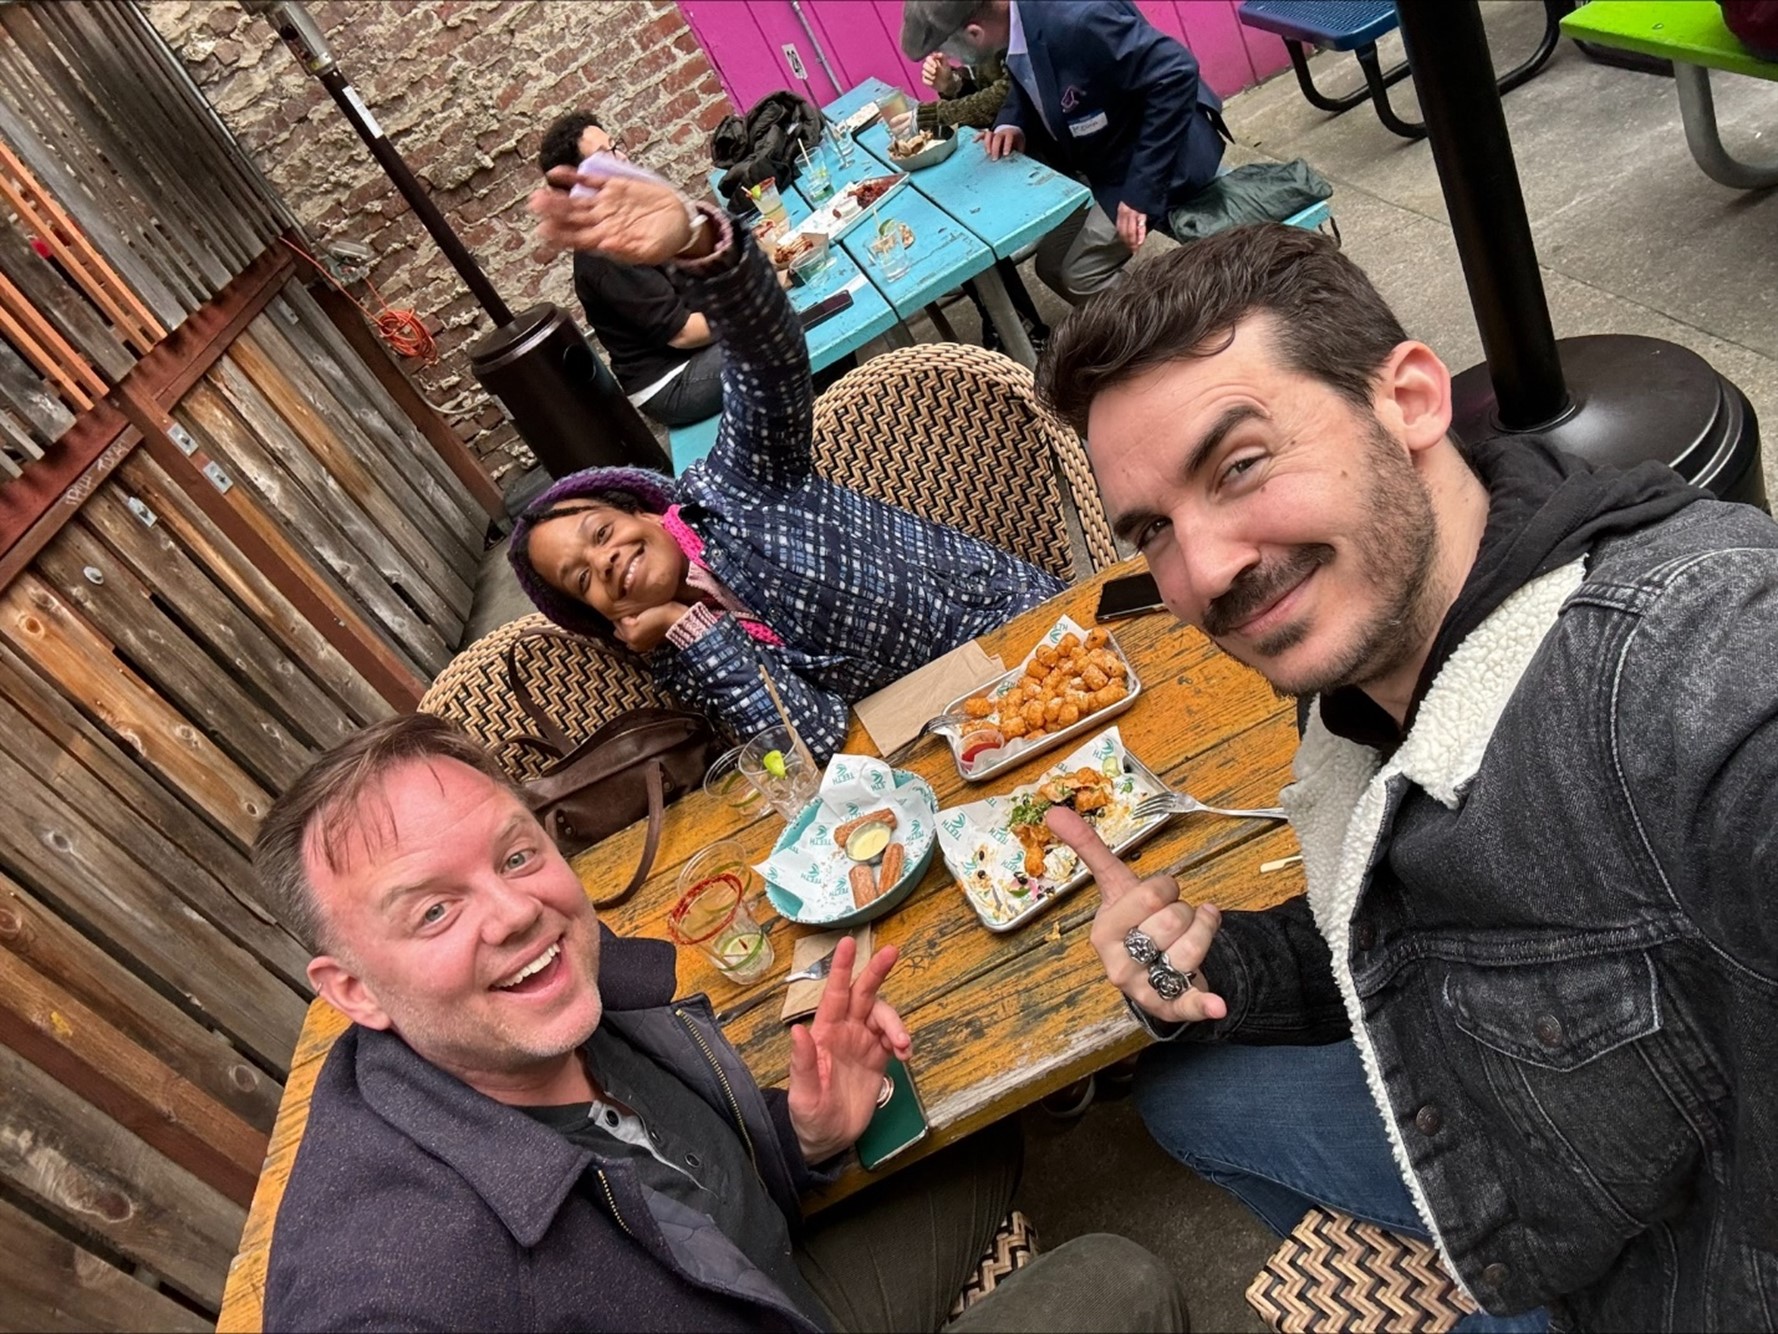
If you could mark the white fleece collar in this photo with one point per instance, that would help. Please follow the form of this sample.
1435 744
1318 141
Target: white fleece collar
1340 795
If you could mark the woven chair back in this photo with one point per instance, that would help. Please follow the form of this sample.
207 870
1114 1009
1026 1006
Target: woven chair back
579 683
957 435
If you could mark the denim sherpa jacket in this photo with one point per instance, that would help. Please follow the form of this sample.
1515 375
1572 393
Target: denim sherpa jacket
1550 922
861 592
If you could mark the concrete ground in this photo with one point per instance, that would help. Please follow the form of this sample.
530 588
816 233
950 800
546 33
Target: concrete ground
1632 238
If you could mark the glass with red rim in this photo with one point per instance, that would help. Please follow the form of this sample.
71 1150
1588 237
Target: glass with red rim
712 914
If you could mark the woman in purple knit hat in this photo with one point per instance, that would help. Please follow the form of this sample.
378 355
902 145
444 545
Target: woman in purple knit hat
750 557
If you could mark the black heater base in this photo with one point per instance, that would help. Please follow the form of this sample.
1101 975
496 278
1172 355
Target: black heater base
1633 398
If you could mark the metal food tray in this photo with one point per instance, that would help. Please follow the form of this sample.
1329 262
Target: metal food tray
1050 740
825 222
1141 834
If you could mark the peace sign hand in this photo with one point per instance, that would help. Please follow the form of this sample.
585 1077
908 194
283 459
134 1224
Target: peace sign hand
837 1062
1180 932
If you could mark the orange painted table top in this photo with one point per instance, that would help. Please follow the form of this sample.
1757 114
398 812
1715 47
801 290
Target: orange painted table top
998 1020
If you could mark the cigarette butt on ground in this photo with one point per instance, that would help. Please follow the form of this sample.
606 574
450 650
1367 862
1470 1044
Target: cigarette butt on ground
1266 868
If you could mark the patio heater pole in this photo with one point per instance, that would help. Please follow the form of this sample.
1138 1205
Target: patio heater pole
1610 398
1454 75
564 401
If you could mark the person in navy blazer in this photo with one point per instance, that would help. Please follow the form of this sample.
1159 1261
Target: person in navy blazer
1097 92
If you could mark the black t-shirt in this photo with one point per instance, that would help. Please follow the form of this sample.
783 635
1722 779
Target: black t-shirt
635 310
696 1157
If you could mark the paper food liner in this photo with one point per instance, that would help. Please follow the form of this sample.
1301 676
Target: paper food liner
1065 626
813 872
988 861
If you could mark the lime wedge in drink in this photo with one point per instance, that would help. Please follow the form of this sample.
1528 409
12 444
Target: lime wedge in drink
773 763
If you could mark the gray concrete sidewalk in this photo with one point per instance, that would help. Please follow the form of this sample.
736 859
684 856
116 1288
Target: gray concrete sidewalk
1632 238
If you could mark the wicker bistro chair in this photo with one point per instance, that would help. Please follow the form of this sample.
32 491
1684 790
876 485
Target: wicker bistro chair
580 683
957 435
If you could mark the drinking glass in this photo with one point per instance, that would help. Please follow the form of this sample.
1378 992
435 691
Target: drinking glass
889 252
809 265
842 145
895 104
817 176
712 913
793 788
729 785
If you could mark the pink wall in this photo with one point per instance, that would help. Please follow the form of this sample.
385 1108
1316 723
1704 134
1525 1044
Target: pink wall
744 40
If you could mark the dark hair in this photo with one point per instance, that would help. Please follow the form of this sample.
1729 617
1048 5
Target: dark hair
332 794
1331 323
561 141
587 620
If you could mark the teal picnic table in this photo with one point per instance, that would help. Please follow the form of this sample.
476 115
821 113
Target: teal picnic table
1006 204
866 318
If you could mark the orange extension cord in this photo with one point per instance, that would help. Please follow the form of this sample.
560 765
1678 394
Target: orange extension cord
400 328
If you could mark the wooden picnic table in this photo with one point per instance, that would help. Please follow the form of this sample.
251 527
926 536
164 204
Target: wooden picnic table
998 1020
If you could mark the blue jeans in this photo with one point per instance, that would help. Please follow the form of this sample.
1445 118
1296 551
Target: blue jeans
1284 1129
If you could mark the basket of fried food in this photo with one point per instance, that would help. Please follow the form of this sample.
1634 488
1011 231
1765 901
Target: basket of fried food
922 148
1070 683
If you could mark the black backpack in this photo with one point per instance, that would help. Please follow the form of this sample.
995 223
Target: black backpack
766 144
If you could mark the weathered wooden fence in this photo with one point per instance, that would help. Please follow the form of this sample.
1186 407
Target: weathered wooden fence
230 533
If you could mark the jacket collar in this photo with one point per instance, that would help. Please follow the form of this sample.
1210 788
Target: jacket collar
522 1170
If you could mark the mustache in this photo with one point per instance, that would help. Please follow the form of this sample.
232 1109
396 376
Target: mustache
1258 586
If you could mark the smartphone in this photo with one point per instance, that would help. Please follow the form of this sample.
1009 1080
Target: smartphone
899 1122
1133 595
825 309
610 164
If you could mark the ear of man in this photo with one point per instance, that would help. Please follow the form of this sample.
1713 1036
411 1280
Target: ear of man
348 993
1413 396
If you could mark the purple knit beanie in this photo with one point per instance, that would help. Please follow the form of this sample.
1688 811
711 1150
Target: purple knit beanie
653 489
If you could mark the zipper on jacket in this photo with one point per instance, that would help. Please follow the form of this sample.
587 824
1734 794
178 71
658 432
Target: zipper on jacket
611 1200
728 1092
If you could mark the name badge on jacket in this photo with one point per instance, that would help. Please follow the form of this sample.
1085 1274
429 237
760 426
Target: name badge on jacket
1088 125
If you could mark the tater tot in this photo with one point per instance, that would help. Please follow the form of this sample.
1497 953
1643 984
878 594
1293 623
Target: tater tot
979 707
1094 679
1035 668
1033 734
1033 713
1082 702
1104 699
1068 643
1098 638
1068 715
1046 655
1012 728
1052 710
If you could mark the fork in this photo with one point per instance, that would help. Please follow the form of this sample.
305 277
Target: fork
1178 803
932 726
815 972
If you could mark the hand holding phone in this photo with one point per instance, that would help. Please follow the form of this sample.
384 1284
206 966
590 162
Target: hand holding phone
899 1123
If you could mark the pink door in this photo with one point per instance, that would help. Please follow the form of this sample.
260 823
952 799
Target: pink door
861 38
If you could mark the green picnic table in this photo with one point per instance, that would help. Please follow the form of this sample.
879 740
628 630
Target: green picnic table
1692 35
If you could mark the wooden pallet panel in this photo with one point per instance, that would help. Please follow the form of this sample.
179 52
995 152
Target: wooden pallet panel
387 501
121 807
146 1016
126 612
73 315
43 1023
141 477
47 632
156 558
386 454
232 423
87 1170
58 1287
316 335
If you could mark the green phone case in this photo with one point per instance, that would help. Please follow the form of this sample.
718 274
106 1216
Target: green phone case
898 1124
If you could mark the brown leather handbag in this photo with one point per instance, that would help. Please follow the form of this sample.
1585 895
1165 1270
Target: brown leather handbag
629 768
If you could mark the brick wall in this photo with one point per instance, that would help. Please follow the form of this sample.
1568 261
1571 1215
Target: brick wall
464 88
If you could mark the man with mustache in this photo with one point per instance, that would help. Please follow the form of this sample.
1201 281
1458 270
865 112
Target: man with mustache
1525 1007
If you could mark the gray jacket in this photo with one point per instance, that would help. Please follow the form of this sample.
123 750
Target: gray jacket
1549 922
417 1203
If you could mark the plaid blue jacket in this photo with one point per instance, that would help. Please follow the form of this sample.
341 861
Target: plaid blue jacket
861 592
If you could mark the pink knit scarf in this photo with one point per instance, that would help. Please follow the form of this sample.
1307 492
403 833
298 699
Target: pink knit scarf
707 583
